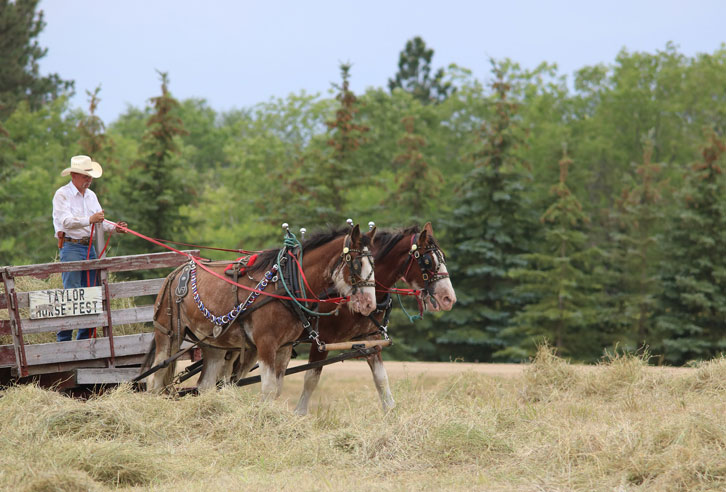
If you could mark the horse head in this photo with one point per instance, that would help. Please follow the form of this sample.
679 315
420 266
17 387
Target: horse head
427 272
354 274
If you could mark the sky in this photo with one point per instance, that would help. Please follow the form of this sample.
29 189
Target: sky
235 54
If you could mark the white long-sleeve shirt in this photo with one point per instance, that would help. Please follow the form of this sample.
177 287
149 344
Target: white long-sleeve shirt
71 211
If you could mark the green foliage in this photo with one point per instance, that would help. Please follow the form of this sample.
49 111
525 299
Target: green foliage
490 229
417 181
692 321
155 186
414 74
562 277
43 142
20 80
477 164
636 253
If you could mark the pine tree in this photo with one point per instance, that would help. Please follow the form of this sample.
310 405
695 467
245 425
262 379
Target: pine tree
94 142
414 74
417 182
636 253
490 230
562 279
692 320
20 79
154 186
338 173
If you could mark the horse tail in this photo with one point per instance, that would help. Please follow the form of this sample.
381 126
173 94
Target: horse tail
149 357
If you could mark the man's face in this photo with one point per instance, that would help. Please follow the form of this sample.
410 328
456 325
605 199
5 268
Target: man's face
81 182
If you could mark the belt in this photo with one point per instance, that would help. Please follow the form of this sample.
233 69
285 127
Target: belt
83 240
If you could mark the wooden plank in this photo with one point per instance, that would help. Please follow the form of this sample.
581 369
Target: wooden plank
134 288
93 348
129 360
119 290
7 356
114 375
141 314
114 264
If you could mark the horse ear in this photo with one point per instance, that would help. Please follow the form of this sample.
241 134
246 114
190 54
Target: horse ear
429 229
355 234
423 237
372 234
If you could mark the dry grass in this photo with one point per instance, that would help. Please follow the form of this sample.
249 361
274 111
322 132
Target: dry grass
617 427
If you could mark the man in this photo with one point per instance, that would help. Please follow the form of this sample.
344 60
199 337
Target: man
75 208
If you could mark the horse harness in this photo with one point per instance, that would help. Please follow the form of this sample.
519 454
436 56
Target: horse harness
290 276
426 263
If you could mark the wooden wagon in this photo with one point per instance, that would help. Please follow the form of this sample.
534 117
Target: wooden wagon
107 359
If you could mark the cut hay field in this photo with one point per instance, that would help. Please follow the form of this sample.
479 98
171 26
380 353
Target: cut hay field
544 426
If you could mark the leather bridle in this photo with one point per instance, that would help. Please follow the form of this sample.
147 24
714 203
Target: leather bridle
425 259
355 265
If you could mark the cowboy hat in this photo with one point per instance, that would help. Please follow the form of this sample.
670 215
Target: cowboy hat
82 164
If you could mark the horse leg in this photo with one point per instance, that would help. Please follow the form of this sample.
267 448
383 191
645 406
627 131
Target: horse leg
380 378
212 365
231 360
158 381
282 359
312 377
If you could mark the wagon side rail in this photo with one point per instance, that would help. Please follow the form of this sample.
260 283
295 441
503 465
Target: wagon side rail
107 351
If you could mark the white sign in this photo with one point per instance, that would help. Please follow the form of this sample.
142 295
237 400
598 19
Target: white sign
57 303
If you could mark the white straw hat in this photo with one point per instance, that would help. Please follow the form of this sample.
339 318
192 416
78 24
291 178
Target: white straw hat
82 164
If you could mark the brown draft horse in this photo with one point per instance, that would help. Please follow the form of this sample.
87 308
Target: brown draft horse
410 255
330 261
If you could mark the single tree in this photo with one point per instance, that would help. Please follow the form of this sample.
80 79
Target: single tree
417 182
490 228
155 188
561 277
93 140
337 171
414 74
636 253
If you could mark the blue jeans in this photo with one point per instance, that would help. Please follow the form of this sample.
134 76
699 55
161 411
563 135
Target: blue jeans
71 280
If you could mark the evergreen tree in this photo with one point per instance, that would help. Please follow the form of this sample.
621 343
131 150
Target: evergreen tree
338 172
417 182
636 253
692 320
562 279
155 187
414 74
489 231
20 79
94 142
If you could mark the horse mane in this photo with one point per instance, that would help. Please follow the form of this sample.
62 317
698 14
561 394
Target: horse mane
386 240
317 239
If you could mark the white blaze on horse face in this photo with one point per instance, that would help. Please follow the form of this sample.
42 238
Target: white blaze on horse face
444 295
364 300
443 291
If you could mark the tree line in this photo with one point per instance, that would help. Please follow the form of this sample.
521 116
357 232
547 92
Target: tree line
587 211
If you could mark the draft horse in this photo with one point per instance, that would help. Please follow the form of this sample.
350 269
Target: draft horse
411 255
331 262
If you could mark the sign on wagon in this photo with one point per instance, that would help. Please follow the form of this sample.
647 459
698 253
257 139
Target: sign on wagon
57 303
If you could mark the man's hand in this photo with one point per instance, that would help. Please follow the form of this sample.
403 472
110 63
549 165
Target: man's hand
96 218
121 227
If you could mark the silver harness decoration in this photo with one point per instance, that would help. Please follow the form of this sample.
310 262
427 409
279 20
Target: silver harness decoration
237 310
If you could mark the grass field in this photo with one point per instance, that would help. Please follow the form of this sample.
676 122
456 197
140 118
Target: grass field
620 426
